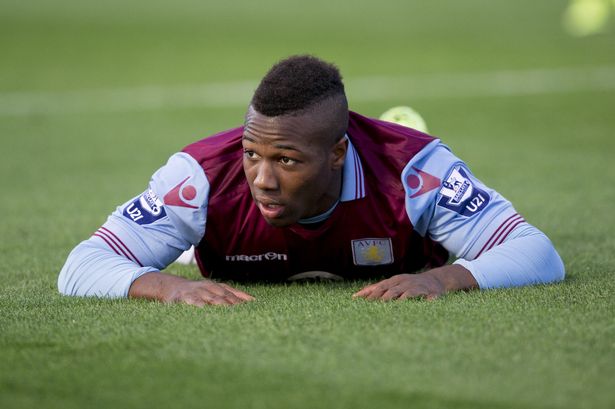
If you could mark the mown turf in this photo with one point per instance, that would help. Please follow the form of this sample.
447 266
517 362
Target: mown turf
301 345
312 346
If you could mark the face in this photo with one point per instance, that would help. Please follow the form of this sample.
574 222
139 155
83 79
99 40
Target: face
292 164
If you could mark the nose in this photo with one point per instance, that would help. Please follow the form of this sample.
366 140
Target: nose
265 176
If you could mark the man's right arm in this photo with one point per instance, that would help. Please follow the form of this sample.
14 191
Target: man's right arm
125 256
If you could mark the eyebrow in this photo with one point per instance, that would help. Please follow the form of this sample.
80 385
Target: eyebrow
278 146
286 147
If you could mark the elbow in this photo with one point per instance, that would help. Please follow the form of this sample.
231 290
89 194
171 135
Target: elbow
524 261
64 286
69 276
552 266
559 272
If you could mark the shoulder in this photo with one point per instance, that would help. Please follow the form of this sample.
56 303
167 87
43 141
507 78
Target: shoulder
376 134
218 146
435 176
220 158
385 149
181 183
384 143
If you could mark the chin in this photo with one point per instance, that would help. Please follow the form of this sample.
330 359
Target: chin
279 222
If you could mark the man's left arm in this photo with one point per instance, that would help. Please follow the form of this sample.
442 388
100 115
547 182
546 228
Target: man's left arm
496 247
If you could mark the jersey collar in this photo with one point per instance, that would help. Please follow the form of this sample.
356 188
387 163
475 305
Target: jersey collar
353 181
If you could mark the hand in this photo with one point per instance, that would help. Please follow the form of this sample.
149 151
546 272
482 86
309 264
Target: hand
204 292
169 288
430 284
403 286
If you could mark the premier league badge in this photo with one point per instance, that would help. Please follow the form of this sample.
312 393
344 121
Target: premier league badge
460 195
145 209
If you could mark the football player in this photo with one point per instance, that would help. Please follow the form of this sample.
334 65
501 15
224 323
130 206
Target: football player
306 185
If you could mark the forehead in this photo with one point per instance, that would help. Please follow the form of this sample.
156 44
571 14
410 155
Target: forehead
300 131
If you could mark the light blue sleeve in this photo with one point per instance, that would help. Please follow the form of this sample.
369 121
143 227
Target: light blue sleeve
93 270
143 235
525 257
447 203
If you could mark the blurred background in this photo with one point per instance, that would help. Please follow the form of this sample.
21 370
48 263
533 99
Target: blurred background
94 96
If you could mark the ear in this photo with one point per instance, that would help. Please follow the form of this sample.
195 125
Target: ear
338 154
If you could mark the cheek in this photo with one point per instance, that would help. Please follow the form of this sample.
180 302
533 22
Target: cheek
304 185
291 184
248 171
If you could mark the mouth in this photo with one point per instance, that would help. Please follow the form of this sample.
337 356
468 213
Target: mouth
269 209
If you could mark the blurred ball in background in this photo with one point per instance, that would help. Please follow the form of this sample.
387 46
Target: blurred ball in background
586 17
405 116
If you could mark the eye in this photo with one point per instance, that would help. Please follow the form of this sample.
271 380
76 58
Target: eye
287 161
249 154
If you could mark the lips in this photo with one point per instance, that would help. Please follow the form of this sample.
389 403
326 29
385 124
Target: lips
270 209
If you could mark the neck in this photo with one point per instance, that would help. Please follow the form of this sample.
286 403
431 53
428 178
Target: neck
320 217
332 201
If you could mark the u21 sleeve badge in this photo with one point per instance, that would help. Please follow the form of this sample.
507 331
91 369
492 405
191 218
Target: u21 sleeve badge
461 195
145 209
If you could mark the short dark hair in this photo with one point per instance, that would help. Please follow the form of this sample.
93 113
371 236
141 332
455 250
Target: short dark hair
296 83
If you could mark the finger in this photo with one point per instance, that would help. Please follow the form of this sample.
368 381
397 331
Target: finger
377 292
212 290
229 299
193 300
210 299
233 295
414 293
392 294
208 294
364 291
219 300
238 293
232 298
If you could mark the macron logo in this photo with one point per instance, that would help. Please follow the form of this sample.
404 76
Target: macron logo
421 182
270 256
178 195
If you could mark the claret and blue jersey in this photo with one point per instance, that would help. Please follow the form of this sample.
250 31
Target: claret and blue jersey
406 202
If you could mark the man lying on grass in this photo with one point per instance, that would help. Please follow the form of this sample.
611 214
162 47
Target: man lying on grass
307 185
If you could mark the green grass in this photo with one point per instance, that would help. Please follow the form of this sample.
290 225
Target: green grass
301 346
